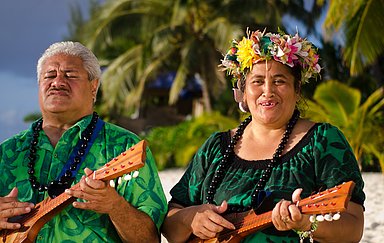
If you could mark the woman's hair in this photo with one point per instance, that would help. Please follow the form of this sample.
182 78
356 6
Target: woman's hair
90 61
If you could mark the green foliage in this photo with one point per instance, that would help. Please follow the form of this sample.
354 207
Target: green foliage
174 146
32 117
361 22
138 39
362 123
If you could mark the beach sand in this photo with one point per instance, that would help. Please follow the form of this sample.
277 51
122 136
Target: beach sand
374 204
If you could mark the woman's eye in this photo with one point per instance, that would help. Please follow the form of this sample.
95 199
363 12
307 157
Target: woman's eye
279 81
257 81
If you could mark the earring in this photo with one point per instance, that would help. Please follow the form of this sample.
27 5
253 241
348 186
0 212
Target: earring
243 107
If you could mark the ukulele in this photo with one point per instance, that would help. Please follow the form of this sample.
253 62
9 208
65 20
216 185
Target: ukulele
333 200
31 223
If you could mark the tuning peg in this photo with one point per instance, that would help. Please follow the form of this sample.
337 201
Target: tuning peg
127 177
112 183
312 218
119 181
320 218
328 217
135 174
336 216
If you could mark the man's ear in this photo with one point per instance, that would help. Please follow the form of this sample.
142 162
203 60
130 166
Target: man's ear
95 85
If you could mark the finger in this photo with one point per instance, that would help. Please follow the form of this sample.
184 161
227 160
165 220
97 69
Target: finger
296 195
81 205
222 208
295 213
7 225
14 211
284 212
219 223
206 233
13 193
88 171
95 184
78 194
276 217
218 219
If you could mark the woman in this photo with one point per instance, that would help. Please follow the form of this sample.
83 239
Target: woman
270 154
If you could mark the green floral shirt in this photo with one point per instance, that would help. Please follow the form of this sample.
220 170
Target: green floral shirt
321 160
75 225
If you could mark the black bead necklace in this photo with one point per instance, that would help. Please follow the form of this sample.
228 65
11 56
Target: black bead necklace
266 174
56 187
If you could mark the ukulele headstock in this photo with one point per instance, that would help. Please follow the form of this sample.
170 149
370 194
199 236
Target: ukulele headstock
130 160
332 200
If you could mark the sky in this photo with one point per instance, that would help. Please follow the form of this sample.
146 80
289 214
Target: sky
27 28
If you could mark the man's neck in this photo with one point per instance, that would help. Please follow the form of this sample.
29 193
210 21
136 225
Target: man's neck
55 125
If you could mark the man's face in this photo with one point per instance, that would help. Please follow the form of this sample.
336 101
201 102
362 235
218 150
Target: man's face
64 86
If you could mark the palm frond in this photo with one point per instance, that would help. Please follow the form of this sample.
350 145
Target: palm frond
361 21
338 99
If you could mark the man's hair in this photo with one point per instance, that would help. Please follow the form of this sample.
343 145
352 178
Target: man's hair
90 61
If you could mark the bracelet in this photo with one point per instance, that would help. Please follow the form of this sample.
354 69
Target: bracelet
309 233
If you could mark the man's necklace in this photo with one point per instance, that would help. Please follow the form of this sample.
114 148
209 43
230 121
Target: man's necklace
266 174
57 187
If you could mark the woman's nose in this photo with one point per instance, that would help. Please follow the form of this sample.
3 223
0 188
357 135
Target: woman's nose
268 89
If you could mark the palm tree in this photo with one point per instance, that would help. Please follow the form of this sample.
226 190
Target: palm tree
361 22
362 124
138 39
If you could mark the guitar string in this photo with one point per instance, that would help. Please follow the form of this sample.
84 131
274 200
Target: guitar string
263 219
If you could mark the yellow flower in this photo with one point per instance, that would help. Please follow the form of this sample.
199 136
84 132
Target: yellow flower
245 54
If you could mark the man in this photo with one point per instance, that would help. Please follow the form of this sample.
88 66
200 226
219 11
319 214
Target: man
50 156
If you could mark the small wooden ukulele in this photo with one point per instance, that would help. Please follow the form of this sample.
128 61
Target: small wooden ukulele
333 200
31 223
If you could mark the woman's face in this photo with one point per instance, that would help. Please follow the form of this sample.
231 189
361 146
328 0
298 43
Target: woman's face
270 93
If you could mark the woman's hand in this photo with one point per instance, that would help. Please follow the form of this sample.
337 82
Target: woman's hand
286 215
11 207
203 221
207 221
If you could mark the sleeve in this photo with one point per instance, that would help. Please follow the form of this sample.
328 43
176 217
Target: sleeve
145 191
189 190
335 161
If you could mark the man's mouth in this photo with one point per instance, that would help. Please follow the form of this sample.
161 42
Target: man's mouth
57 92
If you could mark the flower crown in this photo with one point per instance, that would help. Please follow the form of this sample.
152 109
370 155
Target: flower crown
258 46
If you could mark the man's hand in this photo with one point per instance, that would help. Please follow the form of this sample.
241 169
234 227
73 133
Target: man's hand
11 207
98 196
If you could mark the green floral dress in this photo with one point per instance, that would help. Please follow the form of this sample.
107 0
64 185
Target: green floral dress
75 225
322 159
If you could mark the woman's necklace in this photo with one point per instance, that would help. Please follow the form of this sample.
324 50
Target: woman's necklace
266 174
56 187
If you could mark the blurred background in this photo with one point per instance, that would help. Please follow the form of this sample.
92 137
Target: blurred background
160 65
